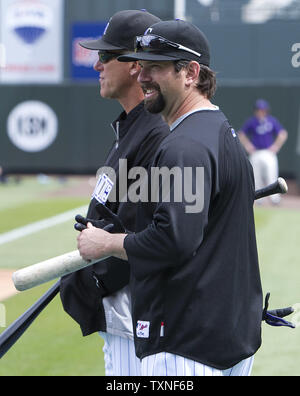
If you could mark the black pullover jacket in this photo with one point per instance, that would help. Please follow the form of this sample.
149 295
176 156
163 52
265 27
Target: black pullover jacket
196 286
138 136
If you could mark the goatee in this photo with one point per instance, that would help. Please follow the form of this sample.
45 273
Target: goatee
156 106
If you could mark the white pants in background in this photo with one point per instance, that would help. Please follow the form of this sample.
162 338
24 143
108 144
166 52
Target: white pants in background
265 168
119 356
167 364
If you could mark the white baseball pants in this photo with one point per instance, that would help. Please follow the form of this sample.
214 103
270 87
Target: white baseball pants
265 168
119 356
120 360
167 364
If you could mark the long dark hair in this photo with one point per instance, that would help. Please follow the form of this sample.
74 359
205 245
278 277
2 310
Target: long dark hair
207 84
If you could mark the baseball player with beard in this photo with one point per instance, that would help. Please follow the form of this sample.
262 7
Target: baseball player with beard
98 297
195 282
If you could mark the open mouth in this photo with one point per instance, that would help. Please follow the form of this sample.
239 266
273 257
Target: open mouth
150 92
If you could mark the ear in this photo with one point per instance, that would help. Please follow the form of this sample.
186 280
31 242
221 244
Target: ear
135 69
192 73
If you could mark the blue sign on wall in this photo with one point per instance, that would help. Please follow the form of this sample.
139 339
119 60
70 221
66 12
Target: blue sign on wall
83 60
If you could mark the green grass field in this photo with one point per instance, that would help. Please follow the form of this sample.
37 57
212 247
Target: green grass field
53 345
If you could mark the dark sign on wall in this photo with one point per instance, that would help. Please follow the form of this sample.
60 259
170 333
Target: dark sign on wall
55 129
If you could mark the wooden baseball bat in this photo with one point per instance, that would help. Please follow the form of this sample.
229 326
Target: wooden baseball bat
11 335
60 266
278 187
48 270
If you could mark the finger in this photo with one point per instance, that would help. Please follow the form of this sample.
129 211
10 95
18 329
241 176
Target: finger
81 219
79 227
279 322
283 312
101 223
108 228
84 255
90 225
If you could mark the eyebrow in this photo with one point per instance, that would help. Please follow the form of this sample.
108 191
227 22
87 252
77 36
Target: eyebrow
150 63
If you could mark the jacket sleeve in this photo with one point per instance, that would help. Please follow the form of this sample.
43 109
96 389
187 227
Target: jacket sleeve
176 231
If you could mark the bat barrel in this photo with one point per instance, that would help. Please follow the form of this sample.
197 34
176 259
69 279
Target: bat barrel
278 187
49 270
283 187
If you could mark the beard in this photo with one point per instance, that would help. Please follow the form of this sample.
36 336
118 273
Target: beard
156 106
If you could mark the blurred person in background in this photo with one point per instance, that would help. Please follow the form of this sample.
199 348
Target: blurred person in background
263 136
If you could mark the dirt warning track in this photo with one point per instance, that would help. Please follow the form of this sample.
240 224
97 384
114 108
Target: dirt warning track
7 288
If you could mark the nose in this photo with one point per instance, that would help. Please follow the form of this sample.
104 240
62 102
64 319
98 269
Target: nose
144 76
98 66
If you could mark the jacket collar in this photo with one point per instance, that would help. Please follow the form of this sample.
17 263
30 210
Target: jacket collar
125 120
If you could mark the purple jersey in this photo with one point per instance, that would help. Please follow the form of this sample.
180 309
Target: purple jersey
262 133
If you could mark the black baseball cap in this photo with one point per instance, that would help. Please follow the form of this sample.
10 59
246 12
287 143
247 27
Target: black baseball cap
121 31
169 41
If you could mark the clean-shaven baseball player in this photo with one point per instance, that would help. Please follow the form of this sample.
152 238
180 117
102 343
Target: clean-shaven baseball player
263 137
98 298
195 281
